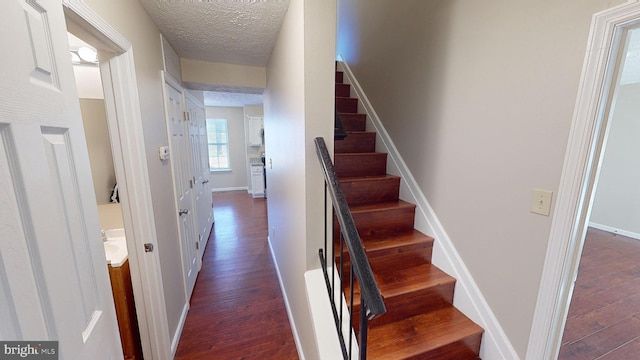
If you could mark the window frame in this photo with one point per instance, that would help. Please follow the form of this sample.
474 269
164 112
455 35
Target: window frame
216 143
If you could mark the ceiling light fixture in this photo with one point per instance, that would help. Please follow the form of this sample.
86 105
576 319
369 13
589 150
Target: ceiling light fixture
88 54
75 59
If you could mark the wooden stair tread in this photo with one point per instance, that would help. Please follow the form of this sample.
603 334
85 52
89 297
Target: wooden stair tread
403 281
360 154
406 245
367 178
407 280
398 240
421 334
381 206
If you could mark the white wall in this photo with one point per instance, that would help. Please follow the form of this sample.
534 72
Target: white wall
478 98
132 21
299 107
197 73
617 201
94 119
237 177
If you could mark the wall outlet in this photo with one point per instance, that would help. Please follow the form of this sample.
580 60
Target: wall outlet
541 202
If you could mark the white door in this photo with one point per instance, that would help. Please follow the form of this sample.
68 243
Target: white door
180 157
54 283
200 160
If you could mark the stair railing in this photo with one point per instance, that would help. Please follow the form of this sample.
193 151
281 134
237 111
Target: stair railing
371 303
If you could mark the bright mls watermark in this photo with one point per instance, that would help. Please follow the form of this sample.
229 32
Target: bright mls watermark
31 350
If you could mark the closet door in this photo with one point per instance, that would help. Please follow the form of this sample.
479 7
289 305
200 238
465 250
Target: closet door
180 158
200 161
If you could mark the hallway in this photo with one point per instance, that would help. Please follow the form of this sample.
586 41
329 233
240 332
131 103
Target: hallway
237 309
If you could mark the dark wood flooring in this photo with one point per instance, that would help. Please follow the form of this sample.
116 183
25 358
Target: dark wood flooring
604 316
237 310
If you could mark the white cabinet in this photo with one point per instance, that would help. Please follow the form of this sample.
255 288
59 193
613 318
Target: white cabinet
256 129
257 180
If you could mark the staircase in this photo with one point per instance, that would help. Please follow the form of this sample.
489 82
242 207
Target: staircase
421 322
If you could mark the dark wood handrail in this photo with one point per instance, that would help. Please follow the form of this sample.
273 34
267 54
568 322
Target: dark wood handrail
369 291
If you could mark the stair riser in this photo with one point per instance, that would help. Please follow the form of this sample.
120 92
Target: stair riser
348 165
356 143
339 76
343 90
372 191
384 222
354 122
467 348
347 105
407 305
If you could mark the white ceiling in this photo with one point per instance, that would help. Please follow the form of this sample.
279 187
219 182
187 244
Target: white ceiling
239 32
229 31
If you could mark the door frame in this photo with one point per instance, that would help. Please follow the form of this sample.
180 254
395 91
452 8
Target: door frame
124 120
579 176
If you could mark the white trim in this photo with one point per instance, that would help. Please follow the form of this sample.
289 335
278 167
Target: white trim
125 128
577 181
213 190
294 330
178 333
613 230
468 297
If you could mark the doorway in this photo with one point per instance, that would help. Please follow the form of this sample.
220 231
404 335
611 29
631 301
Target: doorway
602 318
609 32
94 118
117 70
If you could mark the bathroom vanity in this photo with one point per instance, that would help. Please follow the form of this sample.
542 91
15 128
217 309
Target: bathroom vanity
125 311
115 248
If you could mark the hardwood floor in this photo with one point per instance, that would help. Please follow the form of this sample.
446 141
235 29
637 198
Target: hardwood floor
604 316
237 310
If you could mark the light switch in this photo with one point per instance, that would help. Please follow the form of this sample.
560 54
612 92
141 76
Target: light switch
163 152
541 202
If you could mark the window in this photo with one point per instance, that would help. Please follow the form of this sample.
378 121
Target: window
218 138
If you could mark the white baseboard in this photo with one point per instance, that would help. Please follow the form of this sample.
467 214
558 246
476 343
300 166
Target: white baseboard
230 189
468 298
176 336
294 330
614 230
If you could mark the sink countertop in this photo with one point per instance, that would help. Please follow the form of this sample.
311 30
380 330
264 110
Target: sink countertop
115 248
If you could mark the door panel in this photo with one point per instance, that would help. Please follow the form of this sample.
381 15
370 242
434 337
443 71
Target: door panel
183 182
54 283
200 160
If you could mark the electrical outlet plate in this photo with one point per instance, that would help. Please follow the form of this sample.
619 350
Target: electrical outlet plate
163 152
541 202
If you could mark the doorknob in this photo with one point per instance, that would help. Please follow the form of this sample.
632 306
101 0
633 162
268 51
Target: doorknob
183 212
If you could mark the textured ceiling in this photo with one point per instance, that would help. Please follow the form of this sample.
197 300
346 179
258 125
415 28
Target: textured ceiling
229 31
